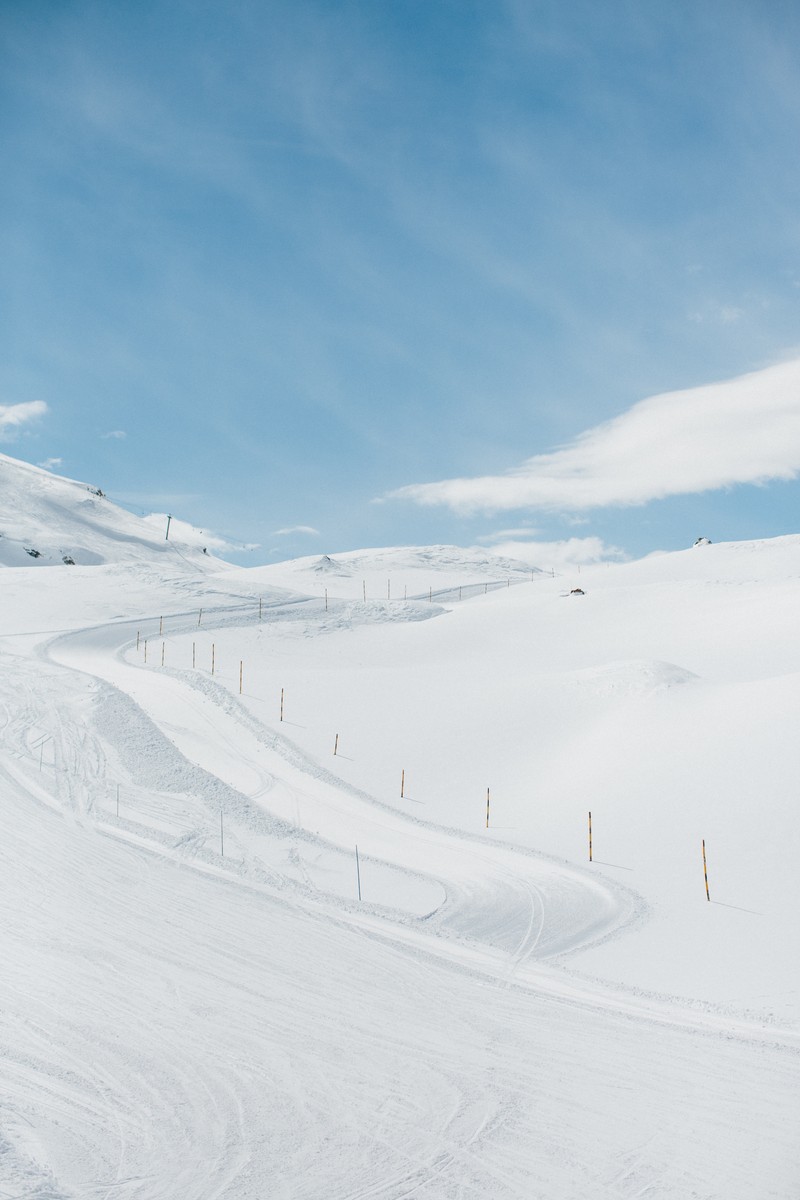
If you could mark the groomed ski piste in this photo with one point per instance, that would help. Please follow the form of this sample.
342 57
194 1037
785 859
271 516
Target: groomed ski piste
206 993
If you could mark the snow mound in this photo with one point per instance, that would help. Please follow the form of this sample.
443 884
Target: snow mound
47 520
329 566
638 677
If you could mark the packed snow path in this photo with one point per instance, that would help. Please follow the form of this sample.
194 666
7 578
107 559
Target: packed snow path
207 1026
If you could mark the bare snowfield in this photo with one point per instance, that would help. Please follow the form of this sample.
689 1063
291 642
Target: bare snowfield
195 1002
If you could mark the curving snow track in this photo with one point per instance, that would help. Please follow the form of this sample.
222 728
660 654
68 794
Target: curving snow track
510 904
179 1026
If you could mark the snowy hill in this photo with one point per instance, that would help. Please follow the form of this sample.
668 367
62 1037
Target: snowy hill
397 572
295 872
46 520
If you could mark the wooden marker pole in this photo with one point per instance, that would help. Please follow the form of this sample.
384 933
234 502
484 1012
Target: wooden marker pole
590 837
241 665
336 745
459 593
137 639
402 784
145 649
358 874
163 644
199 618
705 870
430 594
213 657
281 703
487 808
364 588
194 655
160 626
260 602
326 599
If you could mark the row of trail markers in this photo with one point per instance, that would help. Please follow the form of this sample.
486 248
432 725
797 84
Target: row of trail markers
336 742
194 663
143 643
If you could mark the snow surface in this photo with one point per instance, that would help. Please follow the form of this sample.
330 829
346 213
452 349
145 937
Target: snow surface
194 1002
46 520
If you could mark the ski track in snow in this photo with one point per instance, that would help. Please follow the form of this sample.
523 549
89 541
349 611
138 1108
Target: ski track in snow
179 1025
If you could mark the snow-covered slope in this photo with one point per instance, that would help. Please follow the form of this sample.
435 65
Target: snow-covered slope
209 994
396 572
46 520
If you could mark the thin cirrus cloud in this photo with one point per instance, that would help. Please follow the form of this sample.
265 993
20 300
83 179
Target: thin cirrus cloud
14 416
745 430
292 529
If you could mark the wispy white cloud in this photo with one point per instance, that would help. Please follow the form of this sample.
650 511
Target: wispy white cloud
14 416
568 553
504 535
49 463
115 433
745 430
292 529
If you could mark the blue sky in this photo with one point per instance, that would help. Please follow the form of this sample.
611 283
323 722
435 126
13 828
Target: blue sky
266 264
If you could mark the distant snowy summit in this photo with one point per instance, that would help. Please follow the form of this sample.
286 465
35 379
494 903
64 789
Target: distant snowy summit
404 559
47 520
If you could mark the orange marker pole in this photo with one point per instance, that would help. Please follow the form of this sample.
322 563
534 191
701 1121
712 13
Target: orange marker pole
240 677
137 639
162 654
487 808
145 649
336 745
705 870
281 703
402 783
590 837
213 657
194 655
